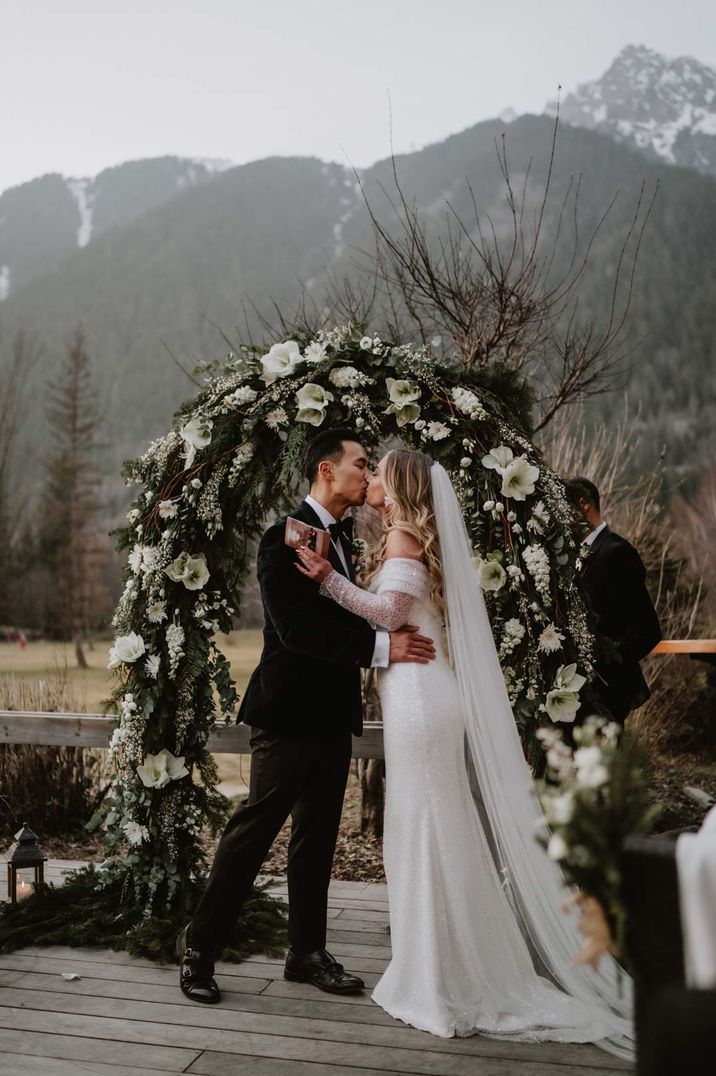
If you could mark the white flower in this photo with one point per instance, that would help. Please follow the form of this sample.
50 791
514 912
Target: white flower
158 770
167 509
561 807
557 847
537 564
516 528
515 629
488 506
276 418
465 462
135 833
492 575
196 433
518 479
568 677
312 401
540 518
366 343
243 394
438 431
315 352
511 516
515 571
468 404
562 705
157 612
345 377
403 396
499 506
550 640
591 771
436 341
135 559
152 665
191 570
280 361
133 515
498 458
127 648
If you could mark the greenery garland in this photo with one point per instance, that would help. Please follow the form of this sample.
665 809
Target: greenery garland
233 455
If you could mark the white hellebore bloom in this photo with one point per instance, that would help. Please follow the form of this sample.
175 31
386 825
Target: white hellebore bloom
491 574
518 478
127 648
280 361
158 770
403 396
550 640
315 352
498 458
191 570
562 705
196 433
557 847
312 400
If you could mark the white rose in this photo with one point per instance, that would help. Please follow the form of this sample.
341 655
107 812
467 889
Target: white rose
315 352
280 361
562 705
196 433
366 343
312 400
557 847
127 648
498 458
518 479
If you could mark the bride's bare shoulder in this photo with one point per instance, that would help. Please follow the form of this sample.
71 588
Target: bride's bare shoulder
402 544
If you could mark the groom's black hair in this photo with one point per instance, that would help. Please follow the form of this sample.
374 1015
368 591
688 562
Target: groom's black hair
327 445
582 487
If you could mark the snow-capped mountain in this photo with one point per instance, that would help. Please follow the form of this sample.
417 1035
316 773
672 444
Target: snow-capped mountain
43 221
665 108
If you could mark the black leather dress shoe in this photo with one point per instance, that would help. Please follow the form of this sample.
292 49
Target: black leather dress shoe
196 975
321 969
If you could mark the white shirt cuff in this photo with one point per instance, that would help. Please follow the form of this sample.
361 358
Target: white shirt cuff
381 654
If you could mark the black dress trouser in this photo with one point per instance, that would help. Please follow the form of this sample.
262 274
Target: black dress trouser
303 778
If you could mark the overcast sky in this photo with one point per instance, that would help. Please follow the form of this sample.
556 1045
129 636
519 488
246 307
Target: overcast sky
90 83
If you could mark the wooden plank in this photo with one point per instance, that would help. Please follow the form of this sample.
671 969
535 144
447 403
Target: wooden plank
95 730
14 970
34 1065
685 646
213 1064
90 1051
211 1027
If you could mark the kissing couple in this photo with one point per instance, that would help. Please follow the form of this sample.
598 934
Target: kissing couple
479 942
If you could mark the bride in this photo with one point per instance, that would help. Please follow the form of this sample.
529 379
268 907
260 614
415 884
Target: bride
479 941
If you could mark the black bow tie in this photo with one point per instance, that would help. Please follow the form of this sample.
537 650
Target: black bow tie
342 529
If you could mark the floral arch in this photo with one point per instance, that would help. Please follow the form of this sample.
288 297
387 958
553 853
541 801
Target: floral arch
233 455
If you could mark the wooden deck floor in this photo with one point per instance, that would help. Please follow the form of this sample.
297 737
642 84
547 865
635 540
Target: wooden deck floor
127 1017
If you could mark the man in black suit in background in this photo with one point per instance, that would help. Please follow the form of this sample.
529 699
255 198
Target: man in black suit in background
303 702
628 629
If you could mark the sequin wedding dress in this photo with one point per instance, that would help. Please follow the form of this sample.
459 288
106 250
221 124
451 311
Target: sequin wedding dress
480 944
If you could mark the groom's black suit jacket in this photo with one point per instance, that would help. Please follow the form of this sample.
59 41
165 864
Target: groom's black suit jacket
307 683
614 577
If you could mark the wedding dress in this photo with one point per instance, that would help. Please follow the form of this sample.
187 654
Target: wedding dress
479 941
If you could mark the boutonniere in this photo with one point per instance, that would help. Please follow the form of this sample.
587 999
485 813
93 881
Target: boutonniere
585 552
359 548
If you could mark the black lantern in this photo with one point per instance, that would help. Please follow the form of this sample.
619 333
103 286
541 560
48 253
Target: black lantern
24 854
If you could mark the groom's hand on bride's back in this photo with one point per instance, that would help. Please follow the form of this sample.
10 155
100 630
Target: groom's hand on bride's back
407 644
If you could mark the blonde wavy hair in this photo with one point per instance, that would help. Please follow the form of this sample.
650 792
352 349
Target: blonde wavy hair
406 479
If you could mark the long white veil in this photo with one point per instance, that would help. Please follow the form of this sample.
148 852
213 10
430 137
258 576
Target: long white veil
510 809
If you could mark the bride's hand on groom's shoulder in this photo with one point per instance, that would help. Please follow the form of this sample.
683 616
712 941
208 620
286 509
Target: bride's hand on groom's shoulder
407 644
312 564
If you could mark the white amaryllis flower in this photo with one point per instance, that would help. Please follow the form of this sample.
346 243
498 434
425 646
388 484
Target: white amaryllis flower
518 479
280 361
189 569
196 433
135 833
562 705
403 396
156 612
438 431
491 574
167 509
557 847
315 352
591 771
313 401
567 677
127 648
158 770
366 343
152 665
550 640
498 458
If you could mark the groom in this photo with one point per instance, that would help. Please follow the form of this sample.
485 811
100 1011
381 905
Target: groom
303 702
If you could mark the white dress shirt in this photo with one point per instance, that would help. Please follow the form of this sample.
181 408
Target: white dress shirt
593 534
381 652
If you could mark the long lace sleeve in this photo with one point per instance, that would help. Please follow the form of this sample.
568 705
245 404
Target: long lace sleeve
400 584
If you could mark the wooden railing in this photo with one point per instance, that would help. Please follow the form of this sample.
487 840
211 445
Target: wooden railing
94 730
